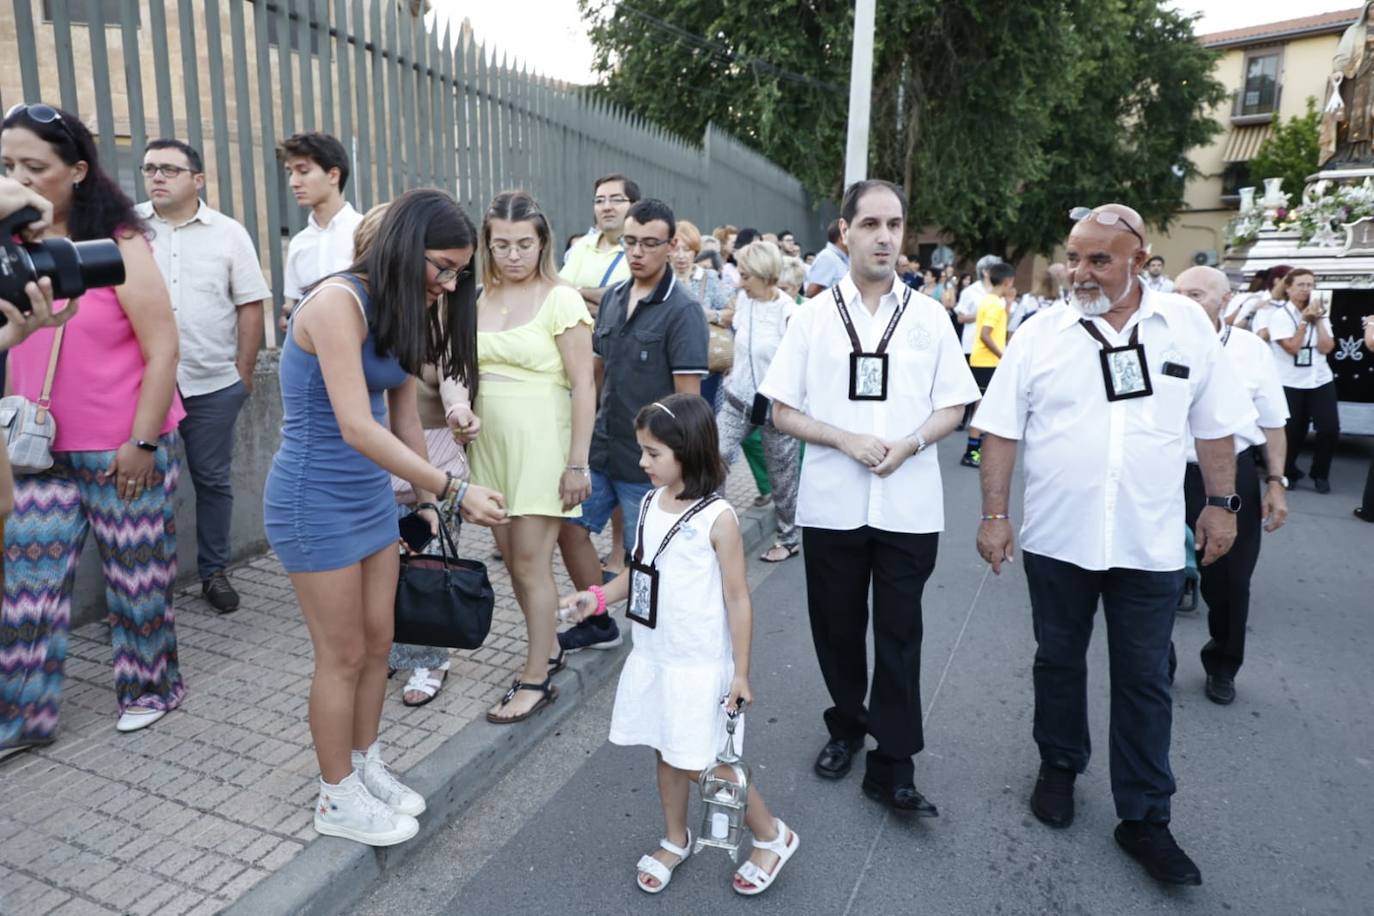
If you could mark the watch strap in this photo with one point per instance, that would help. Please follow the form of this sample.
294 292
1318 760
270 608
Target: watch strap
146 445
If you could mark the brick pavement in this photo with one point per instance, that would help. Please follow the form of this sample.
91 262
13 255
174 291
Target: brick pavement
188 815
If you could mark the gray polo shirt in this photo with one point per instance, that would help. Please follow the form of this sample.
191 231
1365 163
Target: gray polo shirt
665 336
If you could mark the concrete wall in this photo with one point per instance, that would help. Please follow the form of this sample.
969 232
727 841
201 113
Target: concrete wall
255 442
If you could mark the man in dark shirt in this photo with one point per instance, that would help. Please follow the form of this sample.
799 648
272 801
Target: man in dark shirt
650 341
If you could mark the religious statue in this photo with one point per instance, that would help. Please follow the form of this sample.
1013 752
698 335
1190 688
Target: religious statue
1347 127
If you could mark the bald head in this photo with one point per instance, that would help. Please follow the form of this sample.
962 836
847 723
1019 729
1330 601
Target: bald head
1105 253
1206 286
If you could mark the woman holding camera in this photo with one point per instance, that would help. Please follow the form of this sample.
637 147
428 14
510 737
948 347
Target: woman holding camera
114 469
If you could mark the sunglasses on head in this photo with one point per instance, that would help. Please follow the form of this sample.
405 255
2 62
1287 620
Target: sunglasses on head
1105 218
40 113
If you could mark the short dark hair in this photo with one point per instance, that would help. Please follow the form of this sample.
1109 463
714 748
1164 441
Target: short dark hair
786 232
186 149
1154 257
832 232
1000 273
855 192
746 236
650 209
687 425
631 189
324 150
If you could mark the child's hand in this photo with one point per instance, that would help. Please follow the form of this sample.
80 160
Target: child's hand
576 607
740 695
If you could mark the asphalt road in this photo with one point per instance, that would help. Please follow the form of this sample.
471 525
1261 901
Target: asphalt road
1275 801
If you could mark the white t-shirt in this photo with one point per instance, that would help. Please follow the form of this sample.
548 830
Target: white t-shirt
926 372
966 306
1283 324
759 329
1249 359
316 252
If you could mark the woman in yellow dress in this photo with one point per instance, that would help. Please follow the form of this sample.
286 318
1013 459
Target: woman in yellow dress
537 401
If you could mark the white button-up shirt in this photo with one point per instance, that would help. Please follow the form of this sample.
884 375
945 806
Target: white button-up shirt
926 372
1283 325
315 253
1104 479
1249 359
211 268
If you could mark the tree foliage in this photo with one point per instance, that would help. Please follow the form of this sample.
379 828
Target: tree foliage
998 116
1291 151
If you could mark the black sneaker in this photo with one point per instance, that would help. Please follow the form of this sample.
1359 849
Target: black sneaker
1221 689
220 593
1153 846
599 632
1052 800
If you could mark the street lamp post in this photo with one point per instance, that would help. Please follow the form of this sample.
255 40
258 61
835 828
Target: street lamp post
860 93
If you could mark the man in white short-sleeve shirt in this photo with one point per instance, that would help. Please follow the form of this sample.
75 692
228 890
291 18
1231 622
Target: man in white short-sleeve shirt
317 171
217 289
1225 584
870 398
1105 450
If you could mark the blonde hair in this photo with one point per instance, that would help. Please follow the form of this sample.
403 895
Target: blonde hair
689 235
793 273
367 230
761 259
517 207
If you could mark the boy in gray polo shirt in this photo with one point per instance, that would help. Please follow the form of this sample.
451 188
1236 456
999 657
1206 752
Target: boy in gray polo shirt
650 341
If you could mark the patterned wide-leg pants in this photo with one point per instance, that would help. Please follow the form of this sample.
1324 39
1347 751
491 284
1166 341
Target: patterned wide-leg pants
43 539
781 453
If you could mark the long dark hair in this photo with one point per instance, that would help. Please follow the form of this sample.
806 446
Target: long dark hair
687 425
100 208
403 325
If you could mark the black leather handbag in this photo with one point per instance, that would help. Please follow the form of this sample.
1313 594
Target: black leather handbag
442 600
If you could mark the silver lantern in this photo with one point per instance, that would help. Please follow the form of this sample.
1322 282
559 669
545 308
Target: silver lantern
724 796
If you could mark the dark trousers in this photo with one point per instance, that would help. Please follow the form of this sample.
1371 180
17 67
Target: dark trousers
1369 490
1226 583
208 433
1316 406
839 568
1139 609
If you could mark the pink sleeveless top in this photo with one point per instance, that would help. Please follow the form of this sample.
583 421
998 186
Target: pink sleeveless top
99 375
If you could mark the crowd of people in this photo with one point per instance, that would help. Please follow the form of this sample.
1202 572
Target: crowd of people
446 369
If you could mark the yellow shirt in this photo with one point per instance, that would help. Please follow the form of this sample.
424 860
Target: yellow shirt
529 352
992 313
586 264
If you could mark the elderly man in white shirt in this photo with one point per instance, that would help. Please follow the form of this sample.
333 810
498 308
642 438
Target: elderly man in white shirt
1226 583
1104 393
870 374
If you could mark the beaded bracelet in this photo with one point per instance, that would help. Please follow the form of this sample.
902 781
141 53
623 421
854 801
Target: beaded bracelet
600 594
996 517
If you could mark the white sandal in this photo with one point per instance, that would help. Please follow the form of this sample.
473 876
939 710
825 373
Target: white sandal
653 868
422 681
782 846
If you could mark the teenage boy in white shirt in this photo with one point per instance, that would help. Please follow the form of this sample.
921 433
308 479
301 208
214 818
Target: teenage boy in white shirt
317 172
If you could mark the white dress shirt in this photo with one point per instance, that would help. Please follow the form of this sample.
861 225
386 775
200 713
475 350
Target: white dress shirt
1160 284
965 307
1104 479
830 267
1249 359
315 253
211 268
759 329
1283 324
926 372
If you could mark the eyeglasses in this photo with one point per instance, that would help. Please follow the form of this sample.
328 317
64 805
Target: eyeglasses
501 247
1105 218
445 275
649 245
166 171
40 113
616 199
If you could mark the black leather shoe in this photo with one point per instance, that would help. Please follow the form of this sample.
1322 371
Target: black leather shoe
220 593
1221 689
1321 484
1153 846
1052 800
837 757
900 798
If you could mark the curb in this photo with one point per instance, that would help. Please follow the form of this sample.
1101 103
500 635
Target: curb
331 874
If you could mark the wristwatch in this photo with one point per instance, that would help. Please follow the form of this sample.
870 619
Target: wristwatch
146 445
1229 503
1278 479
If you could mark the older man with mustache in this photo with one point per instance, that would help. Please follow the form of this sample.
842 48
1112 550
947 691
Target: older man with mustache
1106 391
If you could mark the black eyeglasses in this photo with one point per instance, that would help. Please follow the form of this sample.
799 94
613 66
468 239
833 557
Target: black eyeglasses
40 113
649 245
1106 218
444 274
167 171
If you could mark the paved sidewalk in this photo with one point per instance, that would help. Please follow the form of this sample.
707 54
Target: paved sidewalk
187 816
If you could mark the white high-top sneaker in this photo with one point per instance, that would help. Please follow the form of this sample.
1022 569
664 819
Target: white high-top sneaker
383 785
348 810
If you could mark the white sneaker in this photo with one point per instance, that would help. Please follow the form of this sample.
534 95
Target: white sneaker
348 810
385 787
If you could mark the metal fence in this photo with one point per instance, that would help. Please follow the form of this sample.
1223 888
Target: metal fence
416 102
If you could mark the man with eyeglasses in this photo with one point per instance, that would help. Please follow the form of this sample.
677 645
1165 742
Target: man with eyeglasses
650 341
1106 392
217 289
596 262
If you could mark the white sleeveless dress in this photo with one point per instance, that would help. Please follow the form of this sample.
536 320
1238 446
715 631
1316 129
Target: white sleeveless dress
674 680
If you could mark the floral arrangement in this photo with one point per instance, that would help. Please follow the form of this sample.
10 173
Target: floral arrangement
1245 228
1326 208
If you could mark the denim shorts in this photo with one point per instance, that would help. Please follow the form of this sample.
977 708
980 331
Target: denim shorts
606 495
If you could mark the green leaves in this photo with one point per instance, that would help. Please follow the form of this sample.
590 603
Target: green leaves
1290 152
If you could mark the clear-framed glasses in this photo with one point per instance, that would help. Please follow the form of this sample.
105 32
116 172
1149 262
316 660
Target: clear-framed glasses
150 169
41 113
616 199
649 245
444 275
501 247
1105 218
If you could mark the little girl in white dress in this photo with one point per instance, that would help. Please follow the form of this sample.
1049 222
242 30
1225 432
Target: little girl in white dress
689 601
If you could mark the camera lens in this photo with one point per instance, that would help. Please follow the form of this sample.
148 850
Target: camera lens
75 267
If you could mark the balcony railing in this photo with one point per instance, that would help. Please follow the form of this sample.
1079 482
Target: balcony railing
1255 107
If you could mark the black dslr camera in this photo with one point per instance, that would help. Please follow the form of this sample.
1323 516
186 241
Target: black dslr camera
73 267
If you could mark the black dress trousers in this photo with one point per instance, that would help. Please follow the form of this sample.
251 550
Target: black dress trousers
1226 583
840 566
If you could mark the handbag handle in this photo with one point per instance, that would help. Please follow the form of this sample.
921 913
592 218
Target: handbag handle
45 396
446 545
